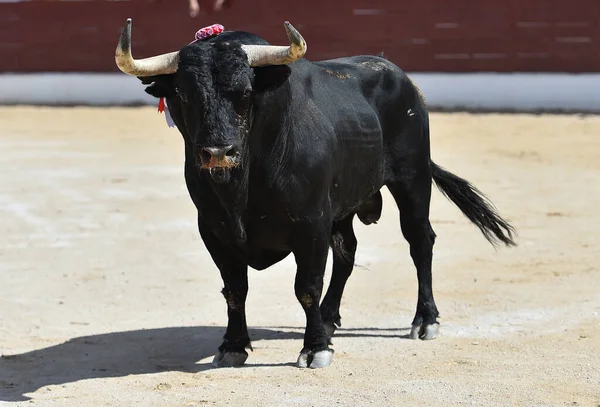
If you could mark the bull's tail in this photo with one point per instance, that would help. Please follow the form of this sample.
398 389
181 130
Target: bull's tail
474 205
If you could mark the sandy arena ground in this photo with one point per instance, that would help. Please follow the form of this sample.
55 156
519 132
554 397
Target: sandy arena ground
109 298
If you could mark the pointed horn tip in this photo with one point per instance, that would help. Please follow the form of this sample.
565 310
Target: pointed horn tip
123 50
294 36
127 26
123 44
289 27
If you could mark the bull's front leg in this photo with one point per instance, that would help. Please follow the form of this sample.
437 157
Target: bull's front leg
234 272
310 244
232 351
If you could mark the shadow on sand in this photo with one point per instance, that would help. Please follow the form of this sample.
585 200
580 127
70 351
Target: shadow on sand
120 354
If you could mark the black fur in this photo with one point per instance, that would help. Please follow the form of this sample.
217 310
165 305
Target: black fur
316 142
475 206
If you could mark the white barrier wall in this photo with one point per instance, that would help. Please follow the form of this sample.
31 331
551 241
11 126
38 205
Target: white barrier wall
478 91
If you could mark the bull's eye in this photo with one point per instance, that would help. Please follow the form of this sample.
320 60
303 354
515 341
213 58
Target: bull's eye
241 100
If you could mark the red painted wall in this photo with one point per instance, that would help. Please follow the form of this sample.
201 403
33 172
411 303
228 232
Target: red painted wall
418 35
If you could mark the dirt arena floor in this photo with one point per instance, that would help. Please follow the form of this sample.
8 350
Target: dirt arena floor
109 298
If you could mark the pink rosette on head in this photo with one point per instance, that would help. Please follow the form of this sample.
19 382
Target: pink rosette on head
209 31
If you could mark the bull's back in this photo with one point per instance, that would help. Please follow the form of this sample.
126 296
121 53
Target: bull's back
385 87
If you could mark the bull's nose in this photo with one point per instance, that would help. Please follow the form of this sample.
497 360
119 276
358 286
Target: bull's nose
218 153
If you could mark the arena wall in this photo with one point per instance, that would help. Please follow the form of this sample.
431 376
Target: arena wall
462 53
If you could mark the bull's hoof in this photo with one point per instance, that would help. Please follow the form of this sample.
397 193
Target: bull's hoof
315 360
229 359
425 332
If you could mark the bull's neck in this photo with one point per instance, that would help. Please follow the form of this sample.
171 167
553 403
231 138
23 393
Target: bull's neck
231 196
270 118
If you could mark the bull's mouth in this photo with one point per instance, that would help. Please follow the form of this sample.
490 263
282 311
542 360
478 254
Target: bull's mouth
219 162
219 169
219 166
219 175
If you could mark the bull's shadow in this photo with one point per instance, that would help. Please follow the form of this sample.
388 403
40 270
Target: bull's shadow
116 354
133 352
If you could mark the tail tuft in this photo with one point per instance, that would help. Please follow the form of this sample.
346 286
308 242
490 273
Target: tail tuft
475 206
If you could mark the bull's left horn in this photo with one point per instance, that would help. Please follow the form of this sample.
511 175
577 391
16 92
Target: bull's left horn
157 65
261 55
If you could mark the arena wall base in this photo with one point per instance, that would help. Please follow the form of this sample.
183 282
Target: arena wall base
520 92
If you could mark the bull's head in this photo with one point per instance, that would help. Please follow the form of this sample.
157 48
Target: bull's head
210 89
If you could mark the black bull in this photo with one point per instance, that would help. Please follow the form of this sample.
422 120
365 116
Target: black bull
280 158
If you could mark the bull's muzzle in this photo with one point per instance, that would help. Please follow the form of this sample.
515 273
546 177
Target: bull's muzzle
219 157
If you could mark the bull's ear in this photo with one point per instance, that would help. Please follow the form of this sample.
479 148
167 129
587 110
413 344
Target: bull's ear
267 78
160 86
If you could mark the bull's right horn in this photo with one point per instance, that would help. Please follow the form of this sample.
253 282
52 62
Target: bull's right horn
157 65
262 55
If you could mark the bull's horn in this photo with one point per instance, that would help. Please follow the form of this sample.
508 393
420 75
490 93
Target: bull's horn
157 65
261 55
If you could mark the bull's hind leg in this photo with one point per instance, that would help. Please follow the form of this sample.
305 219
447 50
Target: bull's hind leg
410 181
343 243
412 195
